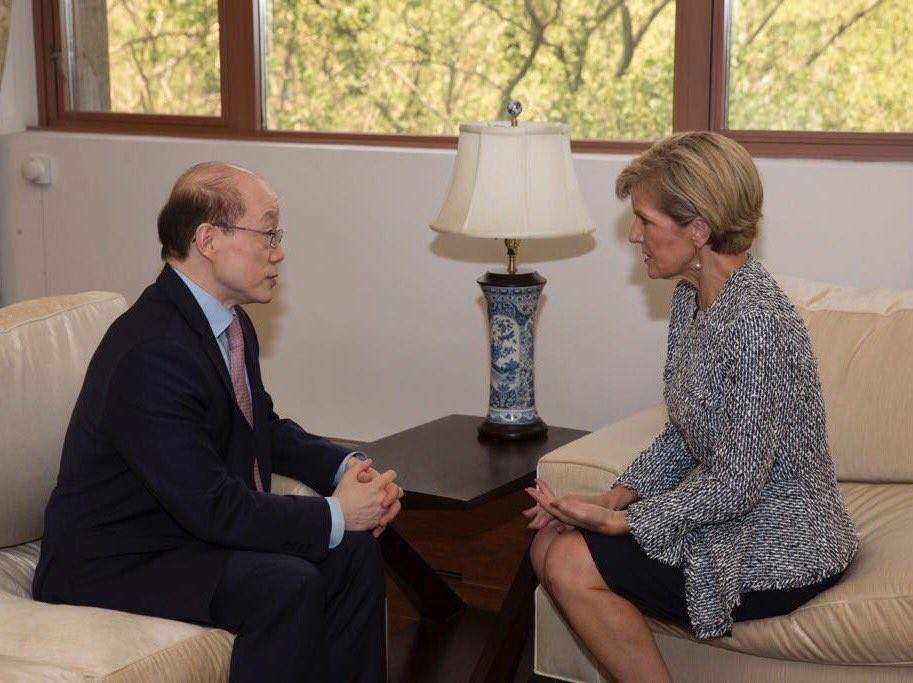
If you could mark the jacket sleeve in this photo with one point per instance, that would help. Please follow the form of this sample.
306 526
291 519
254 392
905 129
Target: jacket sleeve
308 458
156 415
660 467
731 484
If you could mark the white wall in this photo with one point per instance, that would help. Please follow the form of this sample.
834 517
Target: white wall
379 323
18 99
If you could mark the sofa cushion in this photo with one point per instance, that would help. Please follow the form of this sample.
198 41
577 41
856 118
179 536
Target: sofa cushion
39 641
590 464
862 341
17 568
867 618
45 347
286 486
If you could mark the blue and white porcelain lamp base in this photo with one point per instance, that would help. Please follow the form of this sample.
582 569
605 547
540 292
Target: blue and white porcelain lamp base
512 301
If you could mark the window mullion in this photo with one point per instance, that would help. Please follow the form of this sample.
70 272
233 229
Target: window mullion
47 56
691 93
238 57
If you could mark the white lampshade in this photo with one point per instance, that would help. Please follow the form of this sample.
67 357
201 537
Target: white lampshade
513 182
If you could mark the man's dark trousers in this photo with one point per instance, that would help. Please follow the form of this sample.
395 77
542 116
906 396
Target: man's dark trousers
300 621
295 620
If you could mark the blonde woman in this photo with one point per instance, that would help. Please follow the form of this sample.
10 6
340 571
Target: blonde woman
733 512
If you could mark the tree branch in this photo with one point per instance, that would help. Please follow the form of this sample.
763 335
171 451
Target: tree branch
627 42
539 27
151 38
414 89
763 24
575 73
840 31
623 64
503 17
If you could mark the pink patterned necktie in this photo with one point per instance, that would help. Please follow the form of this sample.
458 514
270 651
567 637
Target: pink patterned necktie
239 381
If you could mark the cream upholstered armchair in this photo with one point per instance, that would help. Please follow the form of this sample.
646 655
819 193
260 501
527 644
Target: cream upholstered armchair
45 347
860 630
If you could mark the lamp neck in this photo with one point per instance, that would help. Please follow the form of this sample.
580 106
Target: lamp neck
512 247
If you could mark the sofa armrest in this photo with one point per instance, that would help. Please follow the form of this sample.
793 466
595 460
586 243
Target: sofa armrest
589 465
286 486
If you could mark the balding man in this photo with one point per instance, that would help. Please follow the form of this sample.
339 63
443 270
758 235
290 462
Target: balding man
163 503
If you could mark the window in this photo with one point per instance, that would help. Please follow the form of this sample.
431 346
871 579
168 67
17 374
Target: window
784 77
823 66
391 66
141 56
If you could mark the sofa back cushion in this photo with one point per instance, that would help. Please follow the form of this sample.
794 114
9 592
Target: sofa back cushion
45 348
863 340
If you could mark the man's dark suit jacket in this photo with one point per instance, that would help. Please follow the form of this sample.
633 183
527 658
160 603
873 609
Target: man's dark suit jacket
156 476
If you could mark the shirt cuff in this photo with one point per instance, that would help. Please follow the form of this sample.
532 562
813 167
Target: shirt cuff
342 466
337 522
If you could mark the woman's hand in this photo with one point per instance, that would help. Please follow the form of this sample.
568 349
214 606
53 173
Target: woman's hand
618 498
539 517
587 512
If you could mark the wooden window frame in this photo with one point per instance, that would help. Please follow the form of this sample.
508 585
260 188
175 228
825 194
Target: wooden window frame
698 97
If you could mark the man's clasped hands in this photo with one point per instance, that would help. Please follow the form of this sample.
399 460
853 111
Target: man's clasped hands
369 499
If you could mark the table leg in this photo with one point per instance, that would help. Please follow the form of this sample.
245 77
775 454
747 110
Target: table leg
430 594
504 647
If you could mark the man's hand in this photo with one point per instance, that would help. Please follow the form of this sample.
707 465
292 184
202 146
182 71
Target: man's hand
391 493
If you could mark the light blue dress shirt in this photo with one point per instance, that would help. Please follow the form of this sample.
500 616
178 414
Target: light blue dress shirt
219 318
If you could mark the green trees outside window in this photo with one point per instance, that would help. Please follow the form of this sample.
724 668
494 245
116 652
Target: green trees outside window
142 56
842 65
420 67
423 66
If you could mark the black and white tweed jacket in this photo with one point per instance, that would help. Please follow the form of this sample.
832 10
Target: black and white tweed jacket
739 489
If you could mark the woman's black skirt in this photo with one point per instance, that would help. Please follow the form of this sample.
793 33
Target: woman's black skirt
658 590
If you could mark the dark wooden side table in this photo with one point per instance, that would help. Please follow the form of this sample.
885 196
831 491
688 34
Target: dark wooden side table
445 464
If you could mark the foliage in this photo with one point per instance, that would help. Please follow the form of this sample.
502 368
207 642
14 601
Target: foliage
164 56
416 66
604 66
821 65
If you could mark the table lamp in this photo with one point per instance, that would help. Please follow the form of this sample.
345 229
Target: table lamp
513 181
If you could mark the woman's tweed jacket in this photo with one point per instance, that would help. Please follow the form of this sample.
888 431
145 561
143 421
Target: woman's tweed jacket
739 489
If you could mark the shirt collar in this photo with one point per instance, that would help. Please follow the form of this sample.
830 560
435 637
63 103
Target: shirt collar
218 317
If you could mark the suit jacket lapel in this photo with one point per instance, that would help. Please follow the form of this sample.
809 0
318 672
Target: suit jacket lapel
177 291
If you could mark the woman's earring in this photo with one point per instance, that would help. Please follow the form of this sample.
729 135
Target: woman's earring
697 265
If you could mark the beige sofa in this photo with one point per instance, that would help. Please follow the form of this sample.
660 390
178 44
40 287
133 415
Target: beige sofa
860 630
45 346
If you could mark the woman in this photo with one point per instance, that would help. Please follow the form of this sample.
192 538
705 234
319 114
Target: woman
733 512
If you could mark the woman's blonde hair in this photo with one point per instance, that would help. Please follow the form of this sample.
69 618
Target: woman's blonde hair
701 175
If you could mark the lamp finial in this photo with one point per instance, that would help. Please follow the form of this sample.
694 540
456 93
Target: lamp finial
513 109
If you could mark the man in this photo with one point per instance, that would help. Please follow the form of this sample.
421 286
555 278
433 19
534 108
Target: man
162 505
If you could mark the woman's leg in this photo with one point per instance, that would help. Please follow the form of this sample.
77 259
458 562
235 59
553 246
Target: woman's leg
541 541
612 628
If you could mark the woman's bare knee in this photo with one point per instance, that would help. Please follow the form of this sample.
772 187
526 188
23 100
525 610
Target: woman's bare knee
540 545
568 566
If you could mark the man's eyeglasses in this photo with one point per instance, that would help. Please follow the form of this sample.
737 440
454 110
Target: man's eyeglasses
275 236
